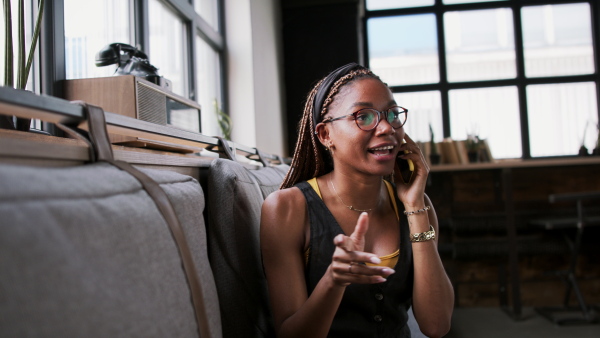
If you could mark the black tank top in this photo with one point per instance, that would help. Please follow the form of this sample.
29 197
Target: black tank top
375 310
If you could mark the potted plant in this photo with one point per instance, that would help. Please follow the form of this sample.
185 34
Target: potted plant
596 150
473 145
23 65
434 155
583 150
224 121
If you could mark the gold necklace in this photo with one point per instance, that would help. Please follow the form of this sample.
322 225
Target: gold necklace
341 201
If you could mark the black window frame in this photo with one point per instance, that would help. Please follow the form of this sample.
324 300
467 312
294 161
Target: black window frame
52 43
520 81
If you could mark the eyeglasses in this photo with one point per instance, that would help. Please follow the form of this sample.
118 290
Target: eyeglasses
368 118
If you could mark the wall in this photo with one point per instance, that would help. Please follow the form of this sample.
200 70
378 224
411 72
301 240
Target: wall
318 37
255 95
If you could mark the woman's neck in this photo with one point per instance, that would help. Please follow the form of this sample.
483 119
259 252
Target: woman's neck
356 193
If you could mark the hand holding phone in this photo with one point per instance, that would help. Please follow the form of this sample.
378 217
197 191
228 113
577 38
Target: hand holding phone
406 167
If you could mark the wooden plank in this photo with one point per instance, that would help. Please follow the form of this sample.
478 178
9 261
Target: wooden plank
17 144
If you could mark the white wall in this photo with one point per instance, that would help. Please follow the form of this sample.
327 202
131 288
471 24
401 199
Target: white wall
254 65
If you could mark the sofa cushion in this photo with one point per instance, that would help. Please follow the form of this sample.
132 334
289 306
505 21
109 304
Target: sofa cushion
235 196
84 252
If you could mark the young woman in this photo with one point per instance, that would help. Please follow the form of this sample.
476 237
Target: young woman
345 252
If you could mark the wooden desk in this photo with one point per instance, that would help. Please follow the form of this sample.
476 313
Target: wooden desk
504 176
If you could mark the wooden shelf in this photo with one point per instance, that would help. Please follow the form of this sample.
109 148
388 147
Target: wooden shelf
28 105
518 163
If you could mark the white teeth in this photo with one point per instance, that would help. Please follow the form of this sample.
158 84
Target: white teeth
382 148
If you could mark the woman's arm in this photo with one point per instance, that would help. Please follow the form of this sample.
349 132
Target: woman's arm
283 237
433 295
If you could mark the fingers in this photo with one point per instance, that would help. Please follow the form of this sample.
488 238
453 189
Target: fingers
349 260
356 241
354 273
414 153
362 226
341 254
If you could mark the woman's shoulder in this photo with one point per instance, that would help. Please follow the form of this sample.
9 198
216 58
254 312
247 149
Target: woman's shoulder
288 199
283 217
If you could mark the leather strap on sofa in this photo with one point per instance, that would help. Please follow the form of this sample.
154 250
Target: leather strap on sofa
103 152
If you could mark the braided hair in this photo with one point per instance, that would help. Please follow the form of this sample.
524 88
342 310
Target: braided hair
312 159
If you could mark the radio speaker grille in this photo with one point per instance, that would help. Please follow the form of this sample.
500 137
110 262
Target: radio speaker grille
152 105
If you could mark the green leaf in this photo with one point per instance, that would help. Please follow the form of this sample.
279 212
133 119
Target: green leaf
8 46
21 45
34 39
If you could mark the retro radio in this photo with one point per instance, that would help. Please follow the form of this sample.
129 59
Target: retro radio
135 97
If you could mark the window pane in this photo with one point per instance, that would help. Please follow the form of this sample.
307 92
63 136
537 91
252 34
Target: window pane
83 38
209 86
168 48
491 113
390 4
424 108
480 45
557 40
398 55
208 10
559 116
28 16
448 2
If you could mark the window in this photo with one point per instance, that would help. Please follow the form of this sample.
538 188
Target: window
83 39
28 23
390 4
168 45
480 45
460 67
208 10
32 82
425 110
181 38
398 55
558 40
561 117
492 114
209 89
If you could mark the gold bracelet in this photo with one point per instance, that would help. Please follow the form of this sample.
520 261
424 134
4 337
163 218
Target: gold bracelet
423 236
408 213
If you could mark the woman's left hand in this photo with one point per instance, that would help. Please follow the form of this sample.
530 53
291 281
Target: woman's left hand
413 192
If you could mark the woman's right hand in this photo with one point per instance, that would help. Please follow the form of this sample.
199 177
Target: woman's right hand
348 265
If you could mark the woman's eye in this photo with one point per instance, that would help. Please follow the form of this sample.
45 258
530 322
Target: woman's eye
364 117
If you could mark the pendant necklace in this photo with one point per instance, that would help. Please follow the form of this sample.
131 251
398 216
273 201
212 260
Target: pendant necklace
341 201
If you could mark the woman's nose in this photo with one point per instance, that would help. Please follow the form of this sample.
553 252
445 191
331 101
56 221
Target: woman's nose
384 126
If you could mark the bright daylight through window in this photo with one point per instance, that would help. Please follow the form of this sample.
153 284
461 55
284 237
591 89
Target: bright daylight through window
476 86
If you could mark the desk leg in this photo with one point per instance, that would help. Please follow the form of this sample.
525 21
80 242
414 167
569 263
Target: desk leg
513 257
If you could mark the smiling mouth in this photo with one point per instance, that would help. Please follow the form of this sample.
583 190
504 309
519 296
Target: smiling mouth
381 150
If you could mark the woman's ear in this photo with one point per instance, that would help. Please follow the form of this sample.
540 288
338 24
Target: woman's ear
323 134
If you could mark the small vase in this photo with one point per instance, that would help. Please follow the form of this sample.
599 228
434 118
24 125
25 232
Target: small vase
583 151
435 158
473 156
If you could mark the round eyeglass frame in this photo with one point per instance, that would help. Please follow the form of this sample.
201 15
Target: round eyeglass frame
379 113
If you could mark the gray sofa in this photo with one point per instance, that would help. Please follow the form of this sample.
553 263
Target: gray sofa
84 252
235 195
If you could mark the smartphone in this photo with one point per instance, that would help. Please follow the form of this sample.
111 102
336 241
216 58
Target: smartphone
405 167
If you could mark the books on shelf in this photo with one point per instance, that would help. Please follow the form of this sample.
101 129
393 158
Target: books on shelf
449 152
456 152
